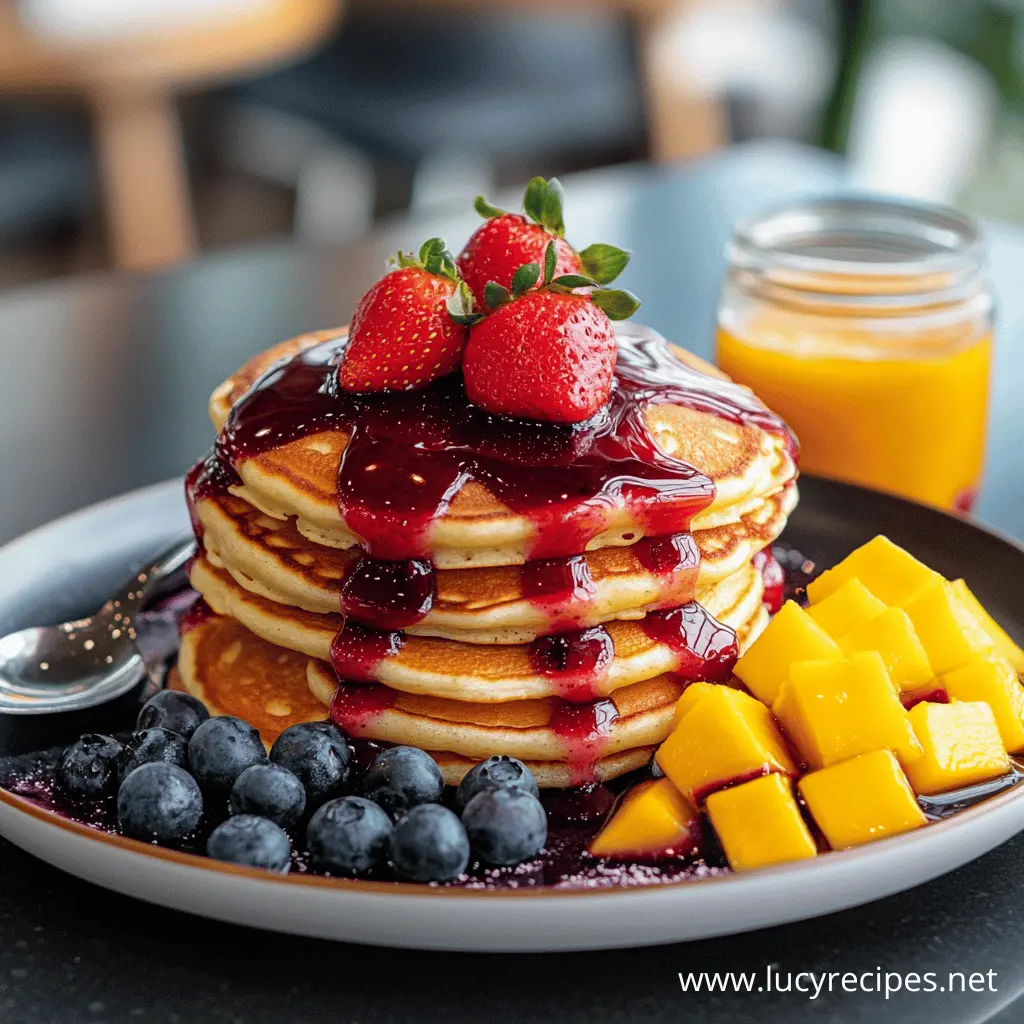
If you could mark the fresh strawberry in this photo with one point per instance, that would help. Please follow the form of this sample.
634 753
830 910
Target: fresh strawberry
499 247
547 353
507 241
403 335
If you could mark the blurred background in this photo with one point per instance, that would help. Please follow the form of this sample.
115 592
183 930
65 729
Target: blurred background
138 133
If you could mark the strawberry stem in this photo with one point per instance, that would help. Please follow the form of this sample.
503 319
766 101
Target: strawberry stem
433 257
550 261
496 295
525 278
604 262
618 304
486 209
543 202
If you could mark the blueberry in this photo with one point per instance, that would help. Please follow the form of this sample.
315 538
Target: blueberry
220 750
253 841
153 745
269 791
349 836
87 770
498 772
401 778
505 826
174 711
429 845
318 754
159 801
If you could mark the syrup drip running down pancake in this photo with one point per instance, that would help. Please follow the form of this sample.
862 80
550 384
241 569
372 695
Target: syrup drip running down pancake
236 673
508 604
426 475
661 642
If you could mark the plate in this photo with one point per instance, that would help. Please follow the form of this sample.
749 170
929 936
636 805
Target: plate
94 547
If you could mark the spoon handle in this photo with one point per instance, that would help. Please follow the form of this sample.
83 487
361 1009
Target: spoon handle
141 586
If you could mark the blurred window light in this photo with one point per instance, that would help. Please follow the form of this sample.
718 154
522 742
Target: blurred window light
761 50
922 117
91 20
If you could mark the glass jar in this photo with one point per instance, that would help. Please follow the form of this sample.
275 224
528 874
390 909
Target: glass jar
867 324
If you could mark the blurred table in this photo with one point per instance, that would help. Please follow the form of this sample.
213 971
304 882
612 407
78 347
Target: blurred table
129 65
105 389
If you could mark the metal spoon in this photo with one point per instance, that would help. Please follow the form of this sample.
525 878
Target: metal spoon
46 669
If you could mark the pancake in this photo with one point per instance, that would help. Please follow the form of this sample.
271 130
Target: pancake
475 672
270 558
299 478
527 729
235 673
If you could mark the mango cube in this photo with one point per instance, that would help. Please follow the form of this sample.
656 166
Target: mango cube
791 636
759 823
833 710
726 736
846 608
893 575
690 696
861 800
892 634
654 819
994 682
962 746
1004 646
950 634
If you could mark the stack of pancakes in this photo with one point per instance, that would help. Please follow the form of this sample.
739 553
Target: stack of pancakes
463 682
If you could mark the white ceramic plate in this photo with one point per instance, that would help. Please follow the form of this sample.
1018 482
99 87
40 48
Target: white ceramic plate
98 544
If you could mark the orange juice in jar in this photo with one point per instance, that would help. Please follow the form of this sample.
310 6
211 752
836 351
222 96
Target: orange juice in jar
867 324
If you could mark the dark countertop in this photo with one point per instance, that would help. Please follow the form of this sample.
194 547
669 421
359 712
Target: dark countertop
105 390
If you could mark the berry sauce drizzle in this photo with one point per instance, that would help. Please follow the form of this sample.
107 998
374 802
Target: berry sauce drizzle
355 708
673 559
559 587
575 662
705 648
409 453
583 730
389 595
195 615
357 651
774 578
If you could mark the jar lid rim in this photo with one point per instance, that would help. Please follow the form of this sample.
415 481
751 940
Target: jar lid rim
861 237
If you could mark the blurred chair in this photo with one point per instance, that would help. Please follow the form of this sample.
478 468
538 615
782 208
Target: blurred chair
130 82
445 89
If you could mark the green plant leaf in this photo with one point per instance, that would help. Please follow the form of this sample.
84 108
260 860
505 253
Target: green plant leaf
570 281
403 260
550 259
485 209
604 262
525 278
496 295
554 200
533 199
432 253
618 304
